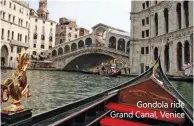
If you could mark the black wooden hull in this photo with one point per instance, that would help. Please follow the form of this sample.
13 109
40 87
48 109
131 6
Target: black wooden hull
184 79
112 75
91 110
87 72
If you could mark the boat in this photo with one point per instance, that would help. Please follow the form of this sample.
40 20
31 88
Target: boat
87 72
150 87
111 74
180 78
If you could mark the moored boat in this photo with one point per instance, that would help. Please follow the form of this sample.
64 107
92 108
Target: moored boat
136 98
114 74
181 78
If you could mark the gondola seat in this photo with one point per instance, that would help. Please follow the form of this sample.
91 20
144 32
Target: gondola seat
129 109
108 121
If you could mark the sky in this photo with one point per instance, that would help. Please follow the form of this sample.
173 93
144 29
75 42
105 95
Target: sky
87 13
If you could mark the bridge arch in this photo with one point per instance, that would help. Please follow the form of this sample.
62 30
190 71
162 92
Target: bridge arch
54 53
73 46
112 42
80 44
67 49
88 41
60 51
121 44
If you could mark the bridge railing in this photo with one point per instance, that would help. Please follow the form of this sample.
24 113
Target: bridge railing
90 49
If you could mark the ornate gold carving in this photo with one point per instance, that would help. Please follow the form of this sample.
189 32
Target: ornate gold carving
16 86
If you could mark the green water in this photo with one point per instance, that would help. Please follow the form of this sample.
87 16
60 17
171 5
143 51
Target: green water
51 89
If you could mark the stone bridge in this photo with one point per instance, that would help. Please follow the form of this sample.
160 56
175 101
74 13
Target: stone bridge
104 40
62 61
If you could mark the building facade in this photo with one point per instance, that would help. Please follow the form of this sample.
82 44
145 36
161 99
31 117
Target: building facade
15 22
42 30
67 30
162 28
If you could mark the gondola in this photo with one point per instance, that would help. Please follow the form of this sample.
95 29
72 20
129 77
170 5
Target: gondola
111 74
181 78
150 87
87 72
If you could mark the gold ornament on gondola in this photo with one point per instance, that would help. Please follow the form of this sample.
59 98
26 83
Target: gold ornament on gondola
16 86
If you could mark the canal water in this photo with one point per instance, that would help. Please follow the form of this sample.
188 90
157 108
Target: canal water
51 89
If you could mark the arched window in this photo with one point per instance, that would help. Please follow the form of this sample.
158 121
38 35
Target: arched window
60 51
88 41
69 35
128 46
73 47
166 57
8 33
156 23
186 10
178 10
179 55
54 53
61 41
2 33
20 37
112 42
80 44
121 44
35 35
67 49
155 53
4 55
34 53
166 19
187 52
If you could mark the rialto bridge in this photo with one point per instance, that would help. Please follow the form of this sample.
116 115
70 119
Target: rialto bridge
103 44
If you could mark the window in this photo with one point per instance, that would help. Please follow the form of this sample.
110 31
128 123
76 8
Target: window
51 23
35 36
50 38
147 33
143 5
26 24
9 18
2 33
50 47
166 19
36 20
11 58
18 37
61 27
42 46
12 37
21 22
69 35
18 49
11 48
3 15
147 20
61 41
147 50
143 34
8 32
143 22
13 19
14 7
156 1
42 37
147 67
18 21
44 22
75 36
9 4
34 45
4 2
142 50
76 29
70 28
147 4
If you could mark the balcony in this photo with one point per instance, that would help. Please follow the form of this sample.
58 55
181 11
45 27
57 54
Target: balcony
17 43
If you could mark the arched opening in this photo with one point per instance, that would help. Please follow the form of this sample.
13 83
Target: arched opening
179 55
178 10
34 53
156 23
73 47
80 44
186 52
100 36
128 46
4 55
166 19
67 49
121 44
2 33
186 10
155 53
88 41
54 53
112 42
60 51
166 57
